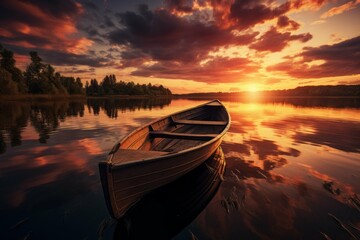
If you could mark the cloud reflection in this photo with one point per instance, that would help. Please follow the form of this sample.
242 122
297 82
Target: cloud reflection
340 134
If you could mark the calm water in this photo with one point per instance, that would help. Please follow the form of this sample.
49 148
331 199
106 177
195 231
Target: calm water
293 172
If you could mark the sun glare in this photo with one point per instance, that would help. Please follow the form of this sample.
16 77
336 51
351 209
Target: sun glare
252 88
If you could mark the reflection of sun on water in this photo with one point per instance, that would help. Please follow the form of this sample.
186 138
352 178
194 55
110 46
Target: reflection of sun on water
253 91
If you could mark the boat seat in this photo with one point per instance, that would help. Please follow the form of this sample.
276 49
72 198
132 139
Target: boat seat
199 122
187 136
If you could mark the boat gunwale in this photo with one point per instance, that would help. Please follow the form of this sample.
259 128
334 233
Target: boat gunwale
170 155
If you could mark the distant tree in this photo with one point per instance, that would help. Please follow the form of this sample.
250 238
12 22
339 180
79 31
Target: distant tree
87 88
54 80
94 88
7 85
39 78
72 86
7 62
109 86
33 74
79 83
42 79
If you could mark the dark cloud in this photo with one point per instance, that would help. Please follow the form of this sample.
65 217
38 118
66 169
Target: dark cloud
176 43
42 24
179 46
91 5
58 8
180 6
339 59
77 70
220 69
90 30
287 23
28 12
275 41
61 58
113 49
68 59
248 13
175 40
108 22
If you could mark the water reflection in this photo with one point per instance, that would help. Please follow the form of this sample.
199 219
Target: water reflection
293 169
340 134
324 102
290 172
166 211
112 106
45 117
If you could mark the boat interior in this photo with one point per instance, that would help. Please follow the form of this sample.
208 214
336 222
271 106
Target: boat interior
175 133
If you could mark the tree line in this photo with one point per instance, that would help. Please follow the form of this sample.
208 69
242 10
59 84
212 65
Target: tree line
304 91
109 86
41 78
318 91
38 78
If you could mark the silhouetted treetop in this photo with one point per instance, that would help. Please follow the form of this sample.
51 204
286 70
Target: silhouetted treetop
109 86
11 77
39 78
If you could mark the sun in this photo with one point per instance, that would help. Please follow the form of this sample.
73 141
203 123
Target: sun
252 88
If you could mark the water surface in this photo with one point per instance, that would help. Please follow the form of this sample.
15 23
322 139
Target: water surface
293 168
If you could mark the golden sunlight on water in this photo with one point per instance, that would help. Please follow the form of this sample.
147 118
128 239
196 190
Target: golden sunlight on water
286 162
292 166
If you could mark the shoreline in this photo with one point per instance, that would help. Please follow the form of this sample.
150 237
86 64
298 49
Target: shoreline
259 97
70 97
176 96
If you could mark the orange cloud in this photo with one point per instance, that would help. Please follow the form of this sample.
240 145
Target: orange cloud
41 25
340 9
340 59
219 69
307 4
286 23
275 41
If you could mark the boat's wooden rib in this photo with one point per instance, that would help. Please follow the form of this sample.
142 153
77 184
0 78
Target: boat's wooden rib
173 172
191 136
161 152
128 155
199 122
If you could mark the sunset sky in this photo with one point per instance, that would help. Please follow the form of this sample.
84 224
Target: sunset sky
191 46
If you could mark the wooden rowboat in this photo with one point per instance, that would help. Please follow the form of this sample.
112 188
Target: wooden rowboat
167 210
160 152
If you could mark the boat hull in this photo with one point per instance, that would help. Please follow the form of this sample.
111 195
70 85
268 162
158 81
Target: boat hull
125 185
164 212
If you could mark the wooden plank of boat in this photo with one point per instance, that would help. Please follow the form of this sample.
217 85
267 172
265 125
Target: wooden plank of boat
174 206
199 122
128 155
163 134
160 152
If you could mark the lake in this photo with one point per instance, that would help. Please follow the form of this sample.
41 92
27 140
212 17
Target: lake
292 171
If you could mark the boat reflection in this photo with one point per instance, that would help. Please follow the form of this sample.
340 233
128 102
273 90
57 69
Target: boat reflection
166 211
